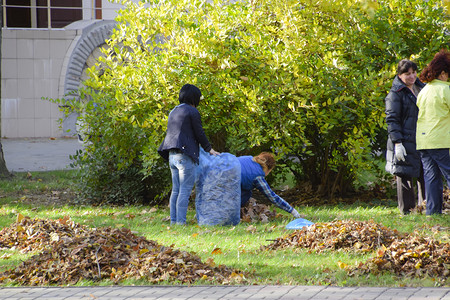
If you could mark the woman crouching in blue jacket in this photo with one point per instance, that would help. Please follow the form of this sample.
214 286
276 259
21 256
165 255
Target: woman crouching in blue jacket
253 173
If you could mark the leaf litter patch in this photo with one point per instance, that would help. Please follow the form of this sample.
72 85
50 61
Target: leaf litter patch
70 252
254 212
404 255
338 235
414 256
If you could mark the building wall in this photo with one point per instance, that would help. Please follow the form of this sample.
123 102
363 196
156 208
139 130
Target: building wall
34 65
109 10
32 61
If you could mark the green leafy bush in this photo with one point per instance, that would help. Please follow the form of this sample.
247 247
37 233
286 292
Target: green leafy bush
306 80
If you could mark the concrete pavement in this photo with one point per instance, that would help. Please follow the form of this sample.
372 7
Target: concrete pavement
39 154
46 154
225 293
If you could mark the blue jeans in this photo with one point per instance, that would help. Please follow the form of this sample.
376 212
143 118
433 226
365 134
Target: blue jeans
183 179
436 162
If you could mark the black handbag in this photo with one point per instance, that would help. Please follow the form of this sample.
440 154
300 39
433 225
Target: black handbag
399 168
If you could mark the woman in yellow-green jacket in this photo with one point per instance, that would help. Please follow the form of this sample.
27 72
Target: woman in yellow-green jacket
433 129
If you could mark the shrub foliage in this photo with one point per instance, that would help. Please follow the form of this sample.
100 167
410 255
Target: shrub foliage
305 79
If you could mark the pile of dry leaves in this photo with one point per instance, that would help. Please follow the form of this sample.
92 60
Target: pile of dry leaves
34 235
338 235
421 209
408 255
257 212
70 252
415 257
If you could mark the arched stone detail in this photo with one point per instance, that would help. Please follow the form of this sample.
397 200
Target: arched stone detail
93 35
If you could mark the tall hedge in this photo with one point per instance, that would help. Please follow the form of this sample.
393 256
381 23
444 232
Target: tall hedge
305 79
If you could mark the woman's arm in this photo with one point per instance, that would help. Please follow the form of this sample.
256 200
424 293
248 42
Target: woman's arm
261 184
394 117
199 133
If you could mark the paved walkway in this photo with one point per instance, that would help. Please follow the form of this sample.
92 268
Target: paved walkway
39 154
225 293
46 154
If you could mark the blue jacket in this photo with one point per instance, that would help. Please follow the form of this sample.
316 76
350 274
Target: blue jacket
249 171
184 133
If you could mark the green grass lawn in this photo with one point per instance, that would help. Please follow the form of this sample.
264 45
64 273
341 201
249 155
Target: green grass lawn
46 195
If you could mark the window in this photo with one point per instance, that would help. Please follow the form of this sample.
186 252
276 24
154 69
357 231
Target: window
39 13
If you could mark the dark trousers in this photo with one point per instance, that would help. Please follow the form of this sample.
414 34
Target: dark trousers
245 196
436 164
406 196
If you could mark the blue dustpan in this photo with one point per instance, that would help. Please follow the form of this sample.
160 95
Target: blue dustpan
298 224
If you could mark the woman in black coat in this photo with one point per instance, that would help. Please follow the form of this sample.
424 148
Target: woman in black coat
181 148
403 160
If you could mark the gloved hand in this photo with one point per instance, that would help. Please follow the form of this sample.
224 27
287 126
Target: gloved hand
400 151
295 213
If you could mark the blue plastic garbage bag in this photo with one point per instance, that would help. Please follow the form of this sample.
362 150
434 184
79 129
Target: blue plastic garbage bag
298 224
218 189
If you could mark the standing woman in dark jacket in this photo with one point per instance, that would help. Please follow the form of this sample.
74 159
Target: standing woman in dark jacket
181 148
403 160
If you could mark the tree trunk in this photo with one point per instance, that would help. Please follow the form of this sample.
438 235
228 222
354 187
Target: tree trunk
4 173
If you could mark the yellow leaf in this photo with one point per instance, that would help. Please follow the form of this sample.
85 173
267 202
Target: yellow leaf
194 234
142 251
342 265
447 6
358 245
20 217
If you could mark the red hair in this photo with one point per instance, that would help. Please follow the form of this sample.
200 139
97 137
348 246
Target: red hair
266 160
440 62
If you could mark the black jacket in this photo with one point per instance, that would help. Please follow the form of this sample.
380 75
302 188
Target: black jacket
184 133
401 119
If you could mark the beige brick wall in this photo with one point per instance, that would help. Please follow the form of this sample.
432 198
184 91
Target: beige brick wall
34 65
32 60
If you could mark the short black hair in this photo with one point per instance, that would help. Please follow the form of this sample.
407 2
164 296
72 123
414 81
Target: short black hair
190 94
404 65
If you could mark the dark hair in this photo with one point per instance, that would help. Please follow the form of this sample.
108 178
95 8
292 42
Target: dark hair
190 94
404 65
440 62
